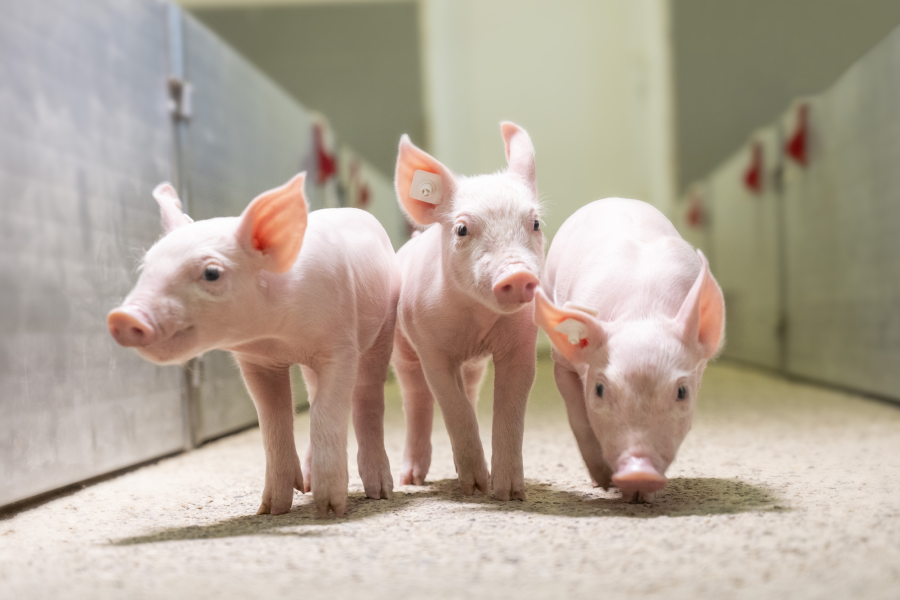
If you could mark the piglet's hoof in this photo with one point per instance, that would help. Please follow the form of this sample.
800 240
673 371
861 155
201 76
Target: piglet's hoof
330 494
473 476
376 477
508 486
415 467
278 496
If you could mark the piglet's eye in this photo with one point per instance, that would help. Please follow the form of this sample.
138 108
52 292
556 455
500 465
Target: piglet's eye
537 225
682 393
462 231
211 273
600 390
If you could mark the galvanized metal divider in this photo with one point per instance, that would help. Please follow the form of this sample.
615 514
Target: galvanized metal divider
810 261
87 134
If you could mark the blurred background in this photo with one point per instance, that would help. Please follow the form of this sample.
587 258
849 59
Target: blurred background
768 131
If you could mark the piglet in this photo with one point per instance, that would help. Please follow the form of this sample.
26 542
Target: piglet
466 281
633 314
276 286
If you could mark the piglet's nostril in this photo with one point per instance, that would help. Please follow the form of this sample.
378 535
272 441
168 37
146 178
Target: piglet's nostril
128 329
515 285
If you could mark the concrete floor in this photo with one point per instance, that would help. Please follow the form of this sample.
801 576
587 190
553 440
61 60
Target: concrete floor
780 491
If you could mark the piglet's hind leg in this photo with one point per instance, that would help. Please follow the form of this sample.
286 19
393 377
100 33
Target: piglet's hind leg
329 416
368 416
418 407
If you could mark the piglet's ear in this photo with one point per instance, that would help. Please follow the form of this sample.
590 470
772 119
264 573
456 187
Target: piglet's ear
274 223
702 314
519 153
574 333
424 186
169 208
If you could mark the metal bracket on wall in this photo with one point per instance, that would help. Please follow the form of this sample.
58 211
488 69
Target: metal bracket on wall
180 107
180 98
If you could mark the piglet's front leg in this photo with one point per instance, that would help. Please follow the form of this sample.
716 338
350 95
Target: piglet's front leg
446 381
514 376
271 392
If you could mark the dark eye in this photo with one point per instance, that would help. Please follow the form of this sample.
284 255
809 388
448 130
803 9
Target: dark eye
462 231
600 390
682 393
211 273
537 225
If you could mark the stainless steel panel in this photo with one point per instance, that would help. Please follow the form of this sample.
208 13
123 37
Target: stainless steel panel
746 259
843 231
245 135
85 137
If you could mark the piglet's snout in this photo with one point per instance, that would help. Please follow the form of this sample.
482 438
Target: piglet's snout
129 329
515 285
637 474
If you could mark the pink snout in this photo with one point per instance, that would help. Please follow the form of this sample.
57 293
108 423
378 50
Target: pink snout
637 474
515 285
128 329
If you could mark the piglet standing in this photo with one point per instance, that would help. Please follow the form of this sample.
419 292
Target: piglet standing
466 281
633 314
276 287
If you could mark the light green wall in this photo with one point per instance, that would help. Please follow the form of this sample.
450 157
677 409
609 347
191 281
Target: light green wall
358 64
738 63
588 79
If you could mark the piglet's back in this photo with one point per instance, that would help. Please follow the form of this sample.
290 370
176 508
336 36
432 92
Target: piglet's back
621 257
347 267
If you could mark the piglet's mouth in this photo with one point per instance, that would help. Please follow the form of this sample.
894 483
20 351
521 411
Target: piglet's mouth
638 479
131 328
176 349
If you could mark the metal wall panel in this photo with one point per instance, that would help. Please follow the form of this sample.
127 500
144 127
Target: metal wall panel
843 231
245 135
85 136
746 257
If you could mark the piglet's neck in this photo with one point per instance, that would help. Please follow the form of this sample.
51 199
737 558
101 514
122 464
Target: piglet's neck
481 316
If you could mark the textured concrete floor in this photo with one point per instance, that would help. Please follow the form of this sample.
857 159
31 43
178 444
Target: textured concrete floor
780 491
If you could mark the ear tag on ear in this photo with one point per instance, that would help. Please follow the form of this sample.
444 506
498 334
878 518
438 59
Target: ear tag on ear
426 187
575 330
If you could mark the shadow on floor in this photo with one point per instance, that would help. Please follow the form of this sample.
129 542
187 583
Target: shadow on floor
681 497
305 515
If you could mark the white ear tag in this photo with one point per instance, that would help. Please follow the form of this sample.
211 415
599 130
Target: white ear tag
576 330
426 187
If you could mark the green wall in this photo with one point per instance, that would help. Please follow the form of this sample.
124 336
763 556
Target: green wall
358 64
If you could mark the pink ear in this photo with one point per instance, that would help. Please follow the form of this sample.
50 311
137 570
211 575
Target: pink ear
409 160
274 223
581 335
170 208
702 314
519 153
